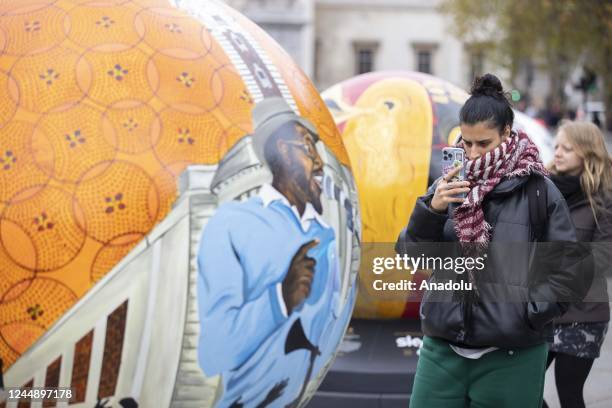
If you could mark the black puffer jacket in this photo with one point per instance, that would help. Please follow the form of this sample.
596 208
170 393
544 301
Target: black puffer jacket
595 307
516 303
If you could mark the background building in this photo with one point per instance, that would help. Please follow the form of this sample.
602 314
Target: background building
333 40
357 36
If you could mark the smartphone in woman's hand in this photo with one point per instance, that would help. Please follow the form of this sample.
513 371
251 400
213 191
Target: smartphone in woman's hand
453 157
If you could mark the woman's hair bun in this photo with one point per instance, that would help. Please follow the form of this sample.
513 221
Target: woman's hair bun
488 103
488 85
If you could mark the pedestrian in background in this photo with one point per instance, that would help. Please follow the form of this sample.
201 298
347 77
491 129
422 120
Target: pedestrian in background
479 348
582 170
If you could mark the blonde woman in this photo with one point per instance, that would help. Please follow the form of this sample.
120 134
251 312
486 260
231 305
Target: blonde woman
582 171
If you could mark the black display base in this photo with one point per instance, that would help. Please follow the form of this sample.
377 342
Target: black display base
374 368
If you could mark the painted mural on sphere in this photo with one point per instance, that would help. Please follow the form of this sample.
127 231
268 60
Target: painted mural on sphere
127 289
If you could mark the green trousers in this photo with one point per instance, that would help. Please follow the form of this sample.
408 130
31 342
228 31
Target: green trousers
499 379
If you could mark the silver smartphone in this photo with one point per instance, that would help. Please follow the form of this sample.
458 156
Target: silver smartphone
453 157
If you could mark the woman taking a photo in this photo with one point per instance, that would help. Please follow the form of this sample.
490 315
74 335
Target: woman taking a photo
582 170
482 346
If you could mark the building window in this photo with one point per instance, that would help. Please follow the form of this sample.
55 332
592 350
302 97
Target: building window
365 54
365 61
424 61
476 65
424 57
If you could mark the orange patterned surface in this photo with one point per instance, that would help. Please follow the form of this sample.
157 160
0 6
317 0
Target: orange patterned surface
102 105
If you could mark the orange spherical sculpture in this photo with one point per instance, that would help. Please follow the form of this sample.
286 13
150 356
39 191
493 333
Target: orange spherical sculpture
102 105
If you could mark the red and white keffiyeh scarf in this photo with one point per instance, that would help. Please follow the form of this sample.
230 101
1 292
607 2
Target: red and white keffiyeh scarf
516 156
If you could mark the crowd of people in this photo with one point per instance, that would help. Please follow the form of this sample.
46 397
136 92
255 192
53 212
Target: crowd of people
553 115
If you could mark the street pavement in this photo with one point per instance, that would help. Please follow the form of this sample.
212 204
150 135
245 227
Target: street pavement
598 387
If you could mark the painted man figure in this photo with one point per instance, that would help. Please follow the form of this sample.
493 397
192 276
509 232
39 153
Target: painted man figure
269 278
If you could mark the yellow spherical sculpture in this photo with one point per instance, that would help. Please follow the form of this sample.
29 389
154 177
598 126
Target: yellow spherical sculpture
394 125
103 104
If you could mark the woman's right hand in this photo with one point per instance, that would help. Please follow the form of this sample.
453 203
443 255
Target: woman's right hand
446 192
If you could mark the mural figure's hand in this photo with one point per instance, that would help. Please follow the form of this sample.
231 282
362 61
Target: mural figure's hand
297 283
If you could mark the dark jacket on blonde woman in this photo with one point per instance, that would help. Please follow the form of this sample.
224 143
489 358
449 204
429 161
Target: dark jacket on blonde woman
595 306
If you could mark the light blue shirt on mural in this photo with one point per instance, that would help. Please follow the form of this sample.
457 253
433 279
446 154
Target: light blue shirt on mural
244 255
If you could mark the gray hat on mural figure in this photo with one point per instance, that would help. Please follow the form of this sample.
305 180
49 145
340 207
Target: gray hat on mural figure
268 115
